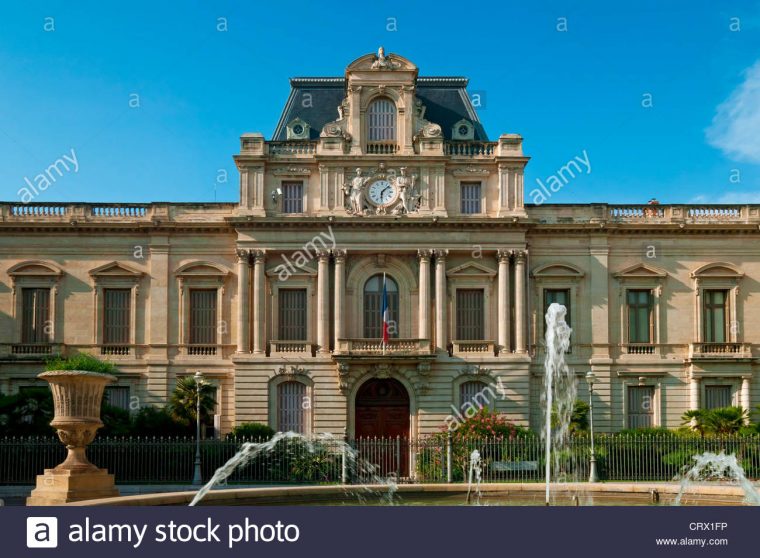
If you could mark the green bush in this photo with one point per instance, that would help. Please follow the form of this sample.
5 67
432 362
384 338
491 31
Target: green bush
27 413
80 361
252 431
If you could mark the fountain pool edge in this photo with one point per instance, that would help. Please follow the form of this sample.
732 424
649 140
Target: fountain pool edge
281 495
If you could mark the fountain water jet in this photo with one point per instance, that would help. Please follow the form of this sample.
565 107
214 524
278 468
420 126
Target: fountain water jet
251 450
476 470
559 387
718 466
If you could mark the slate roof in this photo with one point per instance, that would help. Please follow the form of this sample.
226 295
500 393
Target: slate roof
316 100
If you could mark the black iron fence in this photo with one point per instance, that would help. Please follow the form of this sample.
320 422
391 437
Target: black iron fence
330 460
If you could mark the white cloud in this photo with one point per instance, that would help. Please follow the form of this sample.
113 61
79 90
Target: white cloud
729 198
735 129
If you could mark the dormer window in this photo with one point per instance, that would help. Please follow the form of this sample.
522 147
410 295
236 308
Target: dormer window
381 126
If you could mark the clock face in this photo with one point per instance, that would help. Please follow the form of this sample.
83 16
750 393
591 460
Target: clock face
382 192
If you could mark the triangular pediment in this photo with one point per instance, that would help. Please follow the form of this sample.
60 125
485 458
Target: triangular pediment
558 270
202 269
471 269
642 271
718 270
115 269
283 271
35 268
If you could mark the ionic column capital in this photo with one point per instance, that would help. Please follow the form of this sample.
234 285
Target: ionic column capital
424 255
323 255
440 255
339 255
259 256
520 256
502 256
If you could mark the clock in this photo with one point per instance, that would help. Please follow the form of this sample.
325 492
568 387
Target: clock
382 193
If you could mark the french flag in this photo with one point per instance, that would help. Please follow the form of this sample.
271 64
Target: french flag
386 314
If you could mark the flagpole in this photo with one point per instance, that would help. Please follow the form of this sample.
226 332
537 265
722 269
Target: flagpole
385 302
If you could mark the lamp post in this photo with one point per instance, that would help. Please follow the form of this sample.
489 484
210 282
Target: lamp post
197 478
590 379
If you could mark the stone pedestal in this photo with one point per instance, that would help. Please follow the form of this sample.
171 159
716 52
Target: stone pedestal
60 487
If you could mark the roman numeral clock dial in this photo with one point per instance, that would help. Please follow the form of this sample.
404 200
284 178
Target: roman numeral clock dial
382 193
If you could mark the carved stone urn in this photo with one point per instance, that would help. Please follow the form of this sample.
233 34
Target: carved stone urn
77 396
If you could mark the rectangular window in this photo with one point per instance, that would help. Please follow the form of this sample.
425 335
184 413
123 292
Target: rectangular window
35 316
291 415
715 315
470 316
560 296
116 316
117 396
717 397
292 315
471 198
639 316
203 317
640 406
292 197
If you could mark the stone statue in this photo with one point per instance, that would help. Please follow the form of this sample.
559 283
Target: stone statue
409 199
382 62
354 193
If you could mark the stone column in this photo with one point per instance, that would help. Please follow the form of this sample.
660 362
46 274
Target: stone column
520 303
745 400
503 314
340 293
441 338
423 325
259 294
323 302
243 270
694 393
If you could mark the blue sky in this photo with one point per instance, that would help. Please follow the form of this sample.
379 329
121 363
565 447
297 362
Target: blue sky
565 91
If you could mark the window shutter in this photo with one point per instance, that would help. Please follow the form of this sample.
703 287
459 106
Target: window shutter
35 315
116 316
381 121
292 315
203 316
292 197
470 323
717 397
470 194
640 406
291 416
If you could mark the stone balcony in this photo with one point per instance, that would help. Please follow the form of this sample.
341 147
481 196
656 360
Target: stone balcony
716 351
374 347
278 348
473 348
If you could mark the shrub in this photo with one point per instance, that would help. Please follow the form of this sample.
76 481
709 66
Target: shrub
251 431
80 361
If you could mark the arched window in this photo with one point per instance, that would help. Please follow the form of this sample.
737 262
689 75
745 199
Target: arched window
475 392
381 121
291 415
373 306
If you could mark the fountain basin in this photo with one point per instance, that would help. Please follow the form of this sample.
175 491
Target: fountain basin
516 494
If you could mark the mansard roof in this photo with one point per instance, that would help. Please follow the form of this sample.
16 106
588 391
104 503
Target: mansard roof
316 100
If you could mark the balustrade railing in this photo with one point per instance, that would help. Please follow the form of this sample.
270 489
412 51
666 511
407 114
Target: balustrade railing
470 148
292 148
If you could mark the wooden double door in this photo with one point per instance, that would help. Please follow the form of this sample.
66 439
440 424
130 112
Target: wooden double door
382 425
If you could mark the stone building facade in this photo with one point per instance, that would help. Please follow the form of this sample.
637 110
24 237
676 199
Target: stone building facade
383 177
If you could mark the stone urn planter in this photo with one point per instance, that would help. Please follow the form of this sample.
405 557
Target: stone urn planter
77 395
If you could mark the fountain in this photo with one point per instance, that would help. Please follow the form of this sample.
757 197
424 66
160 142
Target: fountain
476 470
77 395
718 466
352 464
559 388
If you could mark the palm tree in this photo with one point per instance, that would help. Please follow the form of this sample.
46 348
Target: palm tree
716 422
184 400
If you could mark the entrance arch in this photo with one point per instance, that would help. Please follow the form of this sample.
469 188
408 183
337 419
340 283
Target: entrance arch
382 410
